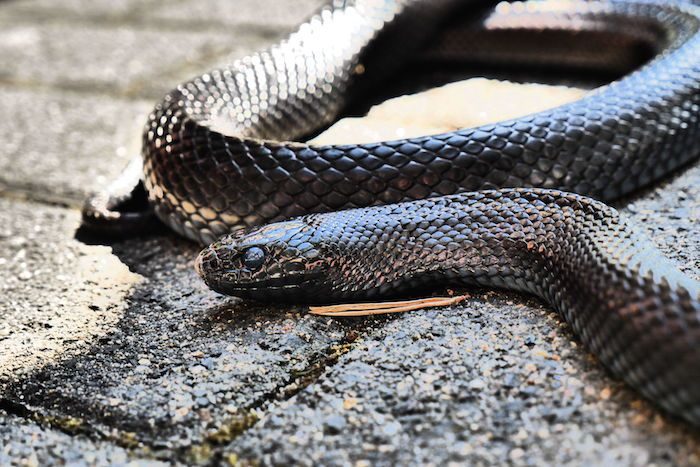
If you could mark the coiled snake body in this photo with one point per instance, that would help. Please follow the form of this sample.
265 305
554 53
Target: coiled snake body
214 163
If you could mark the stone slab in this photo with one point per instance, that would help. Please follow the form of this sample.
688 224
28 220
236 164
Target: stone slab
670 214
41 10
275 16
60 146
58 296
117 60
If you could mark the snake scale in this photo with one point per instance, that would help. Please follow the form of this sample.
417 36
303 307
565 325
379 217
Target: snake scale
516 204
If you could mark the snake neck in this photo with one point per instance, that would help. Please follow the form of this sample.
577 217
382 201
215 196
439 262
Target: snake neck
515 239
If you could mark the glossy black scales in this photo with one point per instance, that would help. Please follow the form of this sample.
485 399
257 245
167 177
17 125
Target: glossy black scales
214 161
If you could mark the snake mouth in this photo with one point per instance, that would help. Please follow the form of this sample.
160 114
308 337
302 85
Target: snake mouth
260 289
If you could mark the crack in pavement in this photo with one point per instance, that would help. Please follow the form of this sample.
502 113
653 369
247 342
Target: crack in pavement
209 449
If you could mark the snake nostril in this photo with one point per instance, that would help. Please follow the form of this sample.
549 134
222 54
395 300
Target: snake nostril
206 261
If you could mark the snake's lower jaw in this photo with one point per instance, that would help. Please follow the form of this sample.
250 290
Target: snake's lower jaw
287 288
265 294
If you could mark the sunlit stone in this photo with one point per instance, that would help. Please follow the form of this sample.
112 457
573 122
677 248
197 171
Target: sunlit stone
462 104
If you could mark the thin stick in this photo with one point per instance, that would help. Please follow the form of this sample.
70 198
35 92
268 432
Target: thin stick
375 305
366 309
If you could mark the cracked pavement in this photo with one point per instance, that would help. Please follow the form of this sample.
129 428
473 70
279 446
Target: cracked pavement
118 354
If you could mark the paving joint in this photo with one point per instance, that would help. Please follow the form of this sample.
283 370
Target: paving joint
215 443
35 194
210 449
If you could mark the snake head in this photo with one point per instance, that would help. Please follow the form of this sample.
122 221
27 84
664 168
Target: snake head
277 261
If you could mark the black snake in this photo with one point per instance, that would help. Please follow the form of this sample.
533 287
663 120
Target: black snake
214 163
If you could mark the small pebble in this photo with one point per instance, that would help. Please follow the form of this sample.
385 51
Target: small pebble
335 423
477 384
516 454
24 275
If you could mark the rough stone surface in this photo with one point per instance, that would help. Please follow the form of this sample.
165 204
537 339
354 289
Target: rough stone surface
670 213
117 354
112 59
182 363
497 380
26 443
57 295
279 15
114 10
60 146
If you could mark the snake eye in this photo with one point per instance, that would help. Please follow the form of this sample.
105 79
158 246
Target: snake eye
253 258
